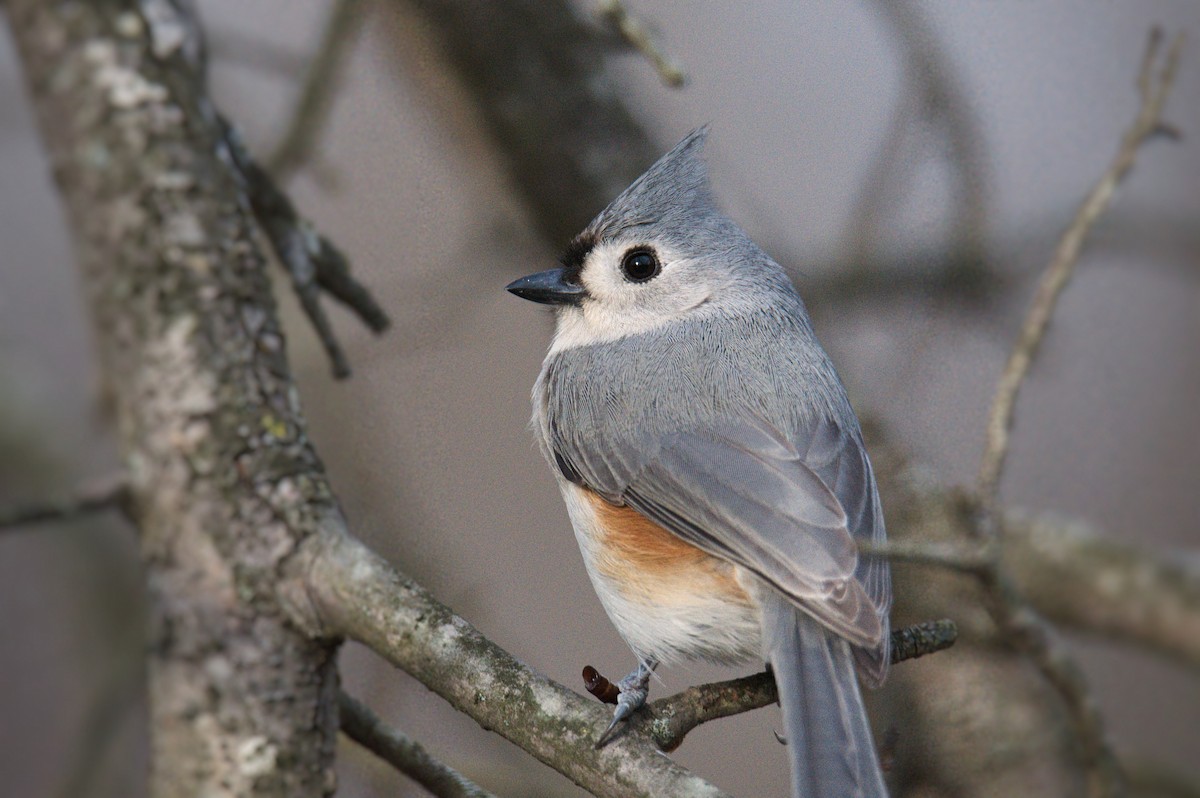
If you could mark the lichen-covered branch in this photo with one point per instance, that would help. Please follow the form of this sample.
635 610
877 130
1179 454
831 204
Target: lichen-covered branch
223 484
349 591
408 756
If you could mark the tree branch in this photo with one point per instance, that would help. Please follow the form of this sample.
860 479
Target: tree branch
364 727
310 259
315 97
1029 633
1148 124
634 32
1067 570
668 720
347 590
108 493
1083 580
570 139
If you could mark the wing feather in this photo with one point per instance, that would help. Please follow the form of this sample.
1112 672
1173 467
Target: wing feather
786 507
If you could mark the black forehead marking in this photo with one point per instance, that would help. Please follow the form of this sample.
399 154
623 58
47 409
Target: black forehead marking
574 255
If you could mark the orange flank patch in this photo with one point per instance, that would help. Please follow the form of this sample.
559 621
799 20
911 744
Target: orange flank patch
648 563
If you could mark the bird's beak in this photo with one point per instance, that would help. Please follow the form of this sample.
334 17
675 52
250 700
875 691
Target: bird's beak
549 288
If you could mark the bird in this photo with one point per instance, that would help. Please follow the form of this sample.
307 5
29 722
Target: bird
712 467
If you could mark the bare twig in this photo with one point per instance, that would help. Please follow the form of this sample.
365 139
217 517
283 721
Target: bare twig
920 639
1019 624
107 493
669 719
364 727
311 259
1148 125
311 110
637 35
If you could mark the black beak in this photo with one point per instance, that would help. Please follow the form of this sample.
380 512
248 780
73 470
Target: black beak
549 288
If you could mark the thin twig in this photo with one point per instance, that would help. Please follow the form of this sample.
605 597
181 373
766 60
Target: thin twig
311 110
669 719
96 495
1146 126
311 259
1016 620
367 729
637 35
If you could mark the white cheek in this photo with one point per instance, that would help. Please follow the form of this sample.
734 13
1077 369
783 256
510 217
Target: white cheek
617 308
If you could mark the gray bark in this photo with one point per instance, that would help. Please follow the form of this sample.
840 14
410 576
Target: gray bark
224 485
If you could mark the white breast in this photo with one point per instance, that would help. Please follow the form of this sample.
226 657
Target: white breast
690 606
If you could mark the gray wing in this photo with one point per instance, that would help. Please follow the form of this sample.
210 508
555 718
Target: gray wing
788 507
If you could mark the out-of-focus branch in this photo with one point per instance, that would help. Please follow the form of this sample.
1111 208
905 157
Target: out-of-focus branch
348 591
1067 570
1022 627
957 556
108 493
311 109
1085 581
536 70
1149 779
636 34
933 95
408 756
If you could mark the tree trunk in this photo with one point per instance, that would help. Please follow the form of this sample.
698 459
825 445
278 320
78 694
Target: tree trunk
225 485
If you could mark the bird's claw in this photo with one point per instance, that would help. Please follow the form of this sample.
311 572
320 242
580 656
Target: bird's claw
635 688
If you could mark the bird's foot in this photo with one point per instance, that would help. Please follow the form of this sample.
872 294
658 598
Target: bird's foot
634 690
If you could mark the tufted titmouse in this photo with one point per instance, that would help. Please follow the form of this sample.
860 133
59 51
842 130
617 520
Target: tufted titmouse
712 467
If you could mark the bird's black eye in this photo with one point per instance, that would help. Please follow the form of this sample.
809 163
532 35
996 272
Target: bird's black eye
640 265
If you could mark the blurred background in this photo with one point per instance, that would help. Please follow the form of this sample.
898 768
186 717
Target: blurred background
912 165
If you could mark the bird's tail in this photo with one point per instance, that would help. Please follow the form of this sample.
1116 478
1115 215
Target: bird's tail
829 740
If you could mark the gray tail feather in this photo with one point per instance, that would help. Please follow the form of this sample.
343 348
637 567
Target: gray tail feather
829 741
